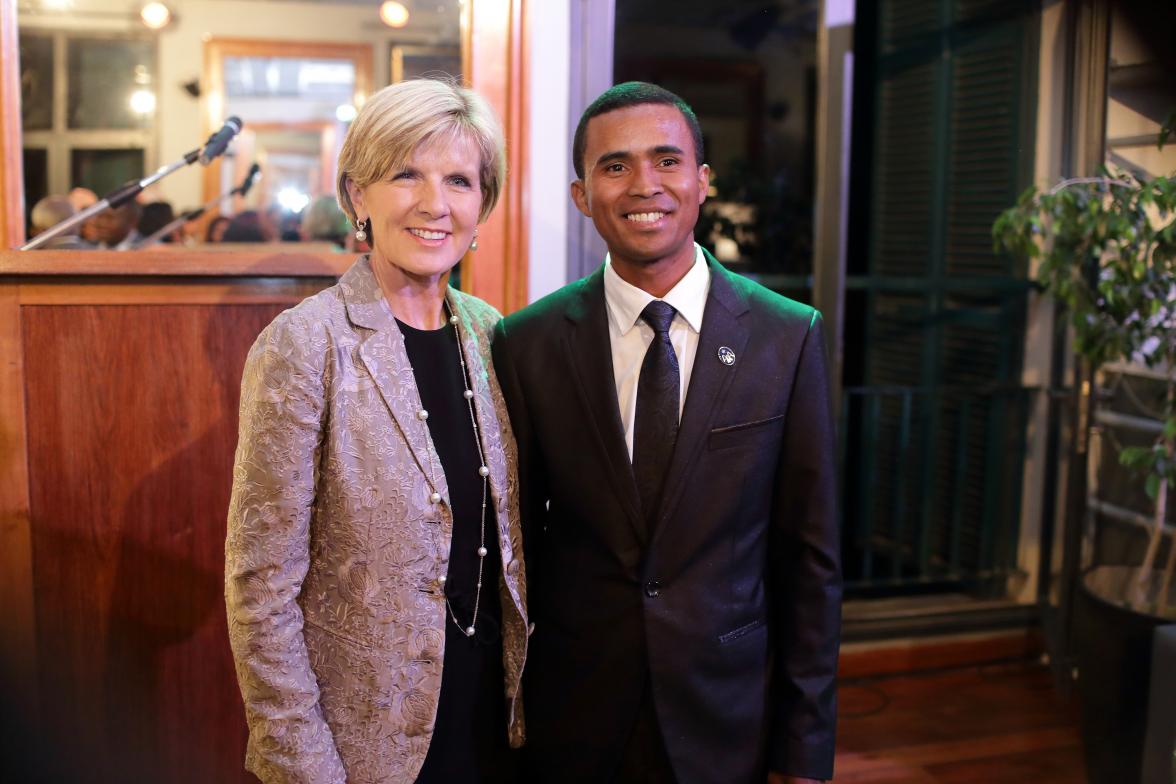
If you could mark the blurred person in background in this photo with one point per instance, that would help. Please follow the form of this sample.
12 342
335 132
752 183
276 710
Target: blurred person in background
81 198
215 232
116 228
245 227
49 212
155 216
324 221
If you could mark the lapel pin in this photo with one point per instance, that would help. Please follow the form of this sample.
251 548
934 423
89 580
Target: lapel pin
726 356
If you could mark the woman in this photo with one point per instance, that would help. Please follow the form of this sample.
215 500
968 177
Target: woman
373 531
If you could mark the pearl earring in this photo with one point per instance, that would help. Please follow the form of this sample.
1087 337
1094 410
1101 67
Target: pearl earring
361 230
474 244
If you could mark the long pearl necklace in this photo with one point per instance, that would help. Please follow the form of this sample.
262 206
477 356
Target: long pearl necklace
483 471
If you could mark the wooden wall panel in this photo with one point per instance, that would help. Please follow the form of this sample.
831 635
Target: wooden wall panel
18 654
132 425
497 271
11 160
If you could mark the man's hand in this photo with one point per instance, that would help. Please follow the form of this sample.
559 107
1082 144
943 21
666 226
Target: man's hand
780 778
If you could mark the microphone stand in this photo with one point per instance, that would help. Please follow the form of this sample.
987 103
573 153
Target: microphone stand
215 145
116 198
190 215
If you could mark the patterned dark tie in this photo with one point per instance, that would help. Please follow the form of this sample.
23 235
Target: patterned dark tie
655 425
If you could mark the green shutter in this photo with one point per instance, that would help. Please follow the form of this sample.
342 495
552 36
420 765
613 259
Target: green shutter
939 464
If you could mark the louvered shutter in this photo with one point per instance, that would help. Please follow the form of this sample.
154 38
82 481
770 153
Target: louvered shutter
939 464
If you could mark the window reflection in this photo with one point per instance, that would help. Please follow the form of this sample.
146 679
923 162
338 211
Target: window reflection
748 69
110 83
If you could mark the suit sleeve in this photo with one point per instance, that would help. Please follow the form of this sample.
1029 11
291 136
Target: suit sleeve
532 481
267 557
806 576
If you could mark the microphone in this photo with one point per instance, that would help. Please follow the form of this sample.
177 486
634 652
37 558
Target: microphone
217 143
253 176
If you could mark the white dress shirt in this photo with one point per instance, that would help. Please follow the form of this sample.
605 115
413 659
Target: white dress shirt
630 337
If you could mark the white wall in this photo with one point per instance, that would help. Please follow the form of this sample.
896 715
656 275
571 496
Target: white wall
549 167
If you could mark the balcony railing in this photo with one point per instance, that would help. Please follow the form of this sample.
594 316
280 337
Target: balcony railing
931 487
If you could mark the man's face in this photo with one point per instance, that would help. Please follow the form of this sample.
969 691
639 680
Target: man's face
113 226
642 186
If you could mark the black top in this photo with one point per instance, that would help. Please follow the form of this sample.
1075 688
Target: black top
469 739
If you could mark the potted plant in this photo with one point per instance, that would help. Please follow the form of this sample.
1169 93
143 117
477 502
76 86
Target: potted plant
1106 248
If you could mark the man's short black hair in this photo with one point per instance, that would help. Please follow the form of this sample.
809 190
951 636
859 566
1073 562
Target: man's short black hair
628 94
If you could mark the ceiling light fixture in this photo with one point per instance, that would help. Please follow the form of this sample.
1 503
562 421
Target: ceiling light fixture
155 15
393 14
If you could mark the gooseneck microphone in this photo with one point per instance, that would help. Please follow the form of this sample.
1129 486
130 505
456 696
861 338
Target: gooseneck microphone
253 176
217 143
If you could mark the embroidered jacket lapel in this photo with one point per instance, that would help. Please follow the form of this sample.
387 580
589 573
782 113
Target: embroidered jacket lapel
383 354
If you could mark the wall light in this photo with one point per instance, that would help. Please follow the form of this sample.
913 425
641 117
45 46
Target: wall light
155 15
345 112
293 199
393 14
142 102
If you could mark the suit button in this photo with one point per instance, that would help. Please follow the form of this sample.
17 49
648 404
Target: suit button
652 588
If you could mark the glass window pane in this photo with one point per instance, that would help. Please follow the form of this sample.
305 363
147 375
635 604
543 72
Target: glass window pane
36 82
749 72
36 178
104 170
111 83
287 89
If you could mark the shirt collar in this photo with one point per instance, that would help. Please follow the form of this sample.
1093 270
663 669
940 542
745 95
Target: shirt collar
688 296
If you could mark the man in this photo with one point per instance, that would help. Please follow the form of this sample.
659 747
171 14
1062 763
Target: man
47 213
115 228
677 482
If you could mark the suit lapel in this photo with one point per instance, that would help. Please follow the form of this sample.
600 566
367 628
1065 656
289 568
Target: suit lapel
709 381
590 353
383 355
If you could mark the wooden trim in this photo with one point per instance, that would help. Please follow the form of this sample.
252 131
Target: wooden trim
861 660
498 61
151 291
12 229
18 643
199 263
216 49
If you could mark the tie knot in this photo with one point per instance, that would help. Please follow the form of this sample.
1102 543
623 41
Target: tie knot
658 314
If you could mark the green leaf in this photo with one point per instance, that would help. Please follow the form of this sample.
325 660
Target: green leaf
1153 486
1136 456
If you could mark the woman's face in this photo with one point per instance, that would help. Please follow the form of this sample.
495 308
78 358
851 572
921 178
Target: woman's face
424 215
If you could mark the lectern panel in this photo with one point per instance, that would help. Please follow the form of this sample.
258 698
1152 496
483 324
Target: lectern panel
132 425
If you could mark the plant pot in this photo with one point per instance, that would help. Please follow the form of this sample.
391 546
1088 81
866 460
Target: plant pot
1113 644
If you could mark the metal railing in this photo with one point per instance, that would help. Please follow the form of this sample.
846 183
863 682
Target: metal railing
931 486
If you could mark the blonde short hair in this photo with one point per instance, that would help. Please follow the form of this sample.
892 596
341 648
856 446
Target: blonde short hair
397 120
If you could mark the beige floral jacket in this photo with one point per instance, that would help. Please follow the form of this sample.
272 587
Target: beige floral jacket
334 550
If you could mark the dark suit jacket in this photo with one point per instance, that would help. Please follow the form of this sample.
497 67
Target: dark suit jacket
730 606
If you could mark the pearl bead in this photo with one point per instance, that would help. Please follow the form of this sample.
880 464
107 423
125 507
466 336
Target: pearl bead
442 579
484 471
422 415
435 498
482 551
453 319
470 631
468 394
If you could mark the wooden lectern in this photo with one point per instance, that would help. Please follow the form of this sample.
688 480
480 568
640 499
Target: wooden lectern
119 384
